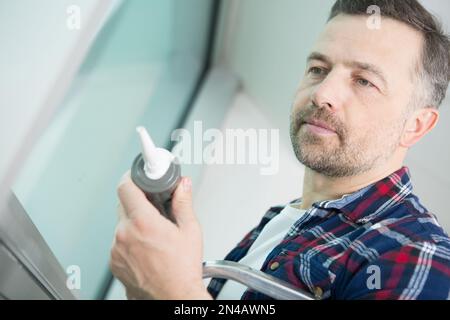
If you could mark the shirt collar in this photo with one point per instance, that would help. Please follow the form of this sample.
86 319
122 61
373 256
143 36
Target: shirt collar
369 202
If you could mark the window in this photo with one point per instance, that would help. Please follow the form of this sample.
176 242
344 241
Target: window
142 69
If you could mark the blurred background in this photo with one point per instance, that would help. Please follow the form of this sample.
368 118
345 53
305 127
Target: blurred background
78 76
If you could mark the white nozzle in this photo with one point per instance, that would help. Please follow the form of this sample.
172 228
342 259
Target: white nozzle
157 160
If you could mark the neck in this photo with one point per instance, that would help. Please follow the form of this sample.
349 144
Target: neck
318 187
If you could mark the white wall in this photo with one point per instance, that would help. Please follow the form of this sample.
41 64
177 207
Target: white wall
231 199
266 44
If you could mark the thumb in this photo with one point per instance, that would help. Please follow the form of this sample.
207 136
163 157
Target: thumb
182 209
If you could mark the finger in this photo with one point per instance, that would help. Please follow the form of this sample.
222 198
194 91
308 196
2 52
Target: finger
182 208
132 198
125 176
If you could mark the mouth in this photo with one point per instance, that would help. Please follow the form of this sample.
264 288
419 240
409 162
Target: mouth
319 127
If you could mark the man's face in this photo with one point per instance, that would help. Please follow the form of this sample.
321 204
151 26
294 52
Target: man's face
358 83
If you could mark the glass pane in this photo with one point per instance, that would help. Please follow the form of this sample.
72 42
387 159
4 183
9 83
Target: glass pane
141 70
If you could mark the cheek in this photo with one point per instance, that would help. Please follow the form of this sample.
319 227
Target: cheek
361 130
302 97
368 98
367 116
372 134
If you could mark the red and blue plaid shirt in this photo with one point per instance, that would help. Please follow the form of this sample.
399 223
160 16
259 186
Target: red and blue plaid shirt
376 243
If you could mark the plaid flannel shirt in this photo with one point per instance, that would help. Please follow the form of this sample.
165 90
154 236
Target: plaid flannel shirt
376 243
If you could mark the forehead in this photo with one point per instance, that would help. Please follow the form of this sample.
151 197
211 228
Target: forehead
394 48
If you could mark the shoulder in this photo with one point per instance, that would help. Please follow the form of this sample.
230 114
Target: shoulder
407 222
412 256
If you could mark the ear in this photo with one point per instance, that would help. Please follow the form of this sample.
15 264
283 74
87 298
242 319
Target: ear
419 124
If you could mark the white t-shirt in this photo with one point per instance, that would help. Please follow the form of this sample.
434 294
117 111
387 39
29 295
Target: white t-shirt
271 235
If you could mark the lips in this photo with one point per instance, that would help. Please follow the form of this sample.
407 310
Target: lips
320 124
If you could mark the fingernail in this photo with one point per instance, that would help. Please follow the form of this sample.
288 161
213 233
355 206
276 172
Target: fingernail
187 184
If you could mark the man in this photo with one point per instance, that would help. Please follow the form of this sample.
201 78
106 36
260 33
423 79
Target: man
368 94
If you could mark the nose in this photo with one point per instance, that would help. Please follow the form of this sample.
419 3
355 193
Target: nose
330 92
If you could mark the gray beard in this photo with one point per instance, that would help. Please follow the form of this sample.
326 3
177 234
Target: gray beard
344 161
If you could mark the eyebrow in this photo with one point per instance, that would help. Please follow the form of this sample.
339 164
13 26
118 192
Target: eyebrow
353 64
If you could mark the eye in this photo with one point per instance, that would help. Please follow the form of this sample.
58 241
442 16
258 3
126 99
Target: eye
364 83
316 71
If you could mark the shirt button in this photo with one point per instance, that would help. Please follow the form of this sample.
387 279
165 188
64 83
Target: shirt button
318 292
274 265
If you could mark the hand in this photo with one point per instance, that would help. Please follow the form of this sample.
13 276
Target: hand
153 257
